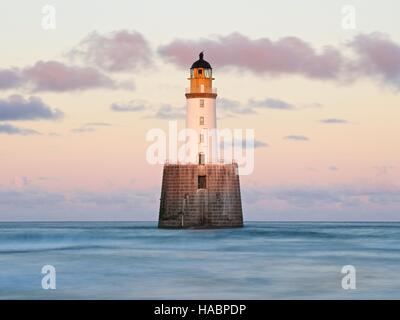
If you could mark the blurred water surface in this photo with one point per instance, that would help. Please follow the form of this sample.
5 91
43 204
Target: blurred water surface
263 260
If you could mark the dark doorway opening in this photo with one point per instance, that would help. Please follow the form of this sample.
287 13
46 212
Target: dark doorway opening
201 182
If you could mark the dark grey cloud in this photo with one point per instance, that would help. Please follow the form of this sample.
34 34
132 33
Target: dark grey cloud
16 107
9 129
122 50
296 138
334 121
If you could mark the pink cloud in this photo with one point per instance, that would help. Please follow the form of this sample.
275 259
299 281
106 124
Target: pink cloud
57 76
119 51
378 56
289 55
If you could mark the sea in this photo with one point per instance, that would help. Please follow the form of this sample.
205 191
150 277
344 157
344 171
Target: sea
263 260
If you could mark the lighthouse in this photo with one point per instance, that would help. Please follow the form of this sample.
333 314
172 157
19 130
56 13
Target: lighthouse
201 114
204 193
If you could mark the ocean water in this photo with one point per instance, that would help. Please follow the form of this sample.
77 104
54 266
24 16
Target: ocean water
263 260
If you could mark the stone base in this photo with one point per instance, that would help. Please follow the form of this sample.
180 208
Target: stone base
211 201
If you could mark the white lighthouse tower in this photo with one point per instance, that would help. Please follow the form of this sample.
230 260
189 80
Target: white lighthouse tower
201 193
200 110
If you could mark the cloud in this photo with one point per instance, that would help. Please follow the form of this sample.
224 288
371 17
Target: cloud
260 144
54 134
333 168
20 182
98 124
121 50
90 127
83 129
271 103
242 143
383 171
304 197
131 106
156 111
312 105
10 78
166 111
6 128
251 106
334 121
378 56
345 196
234 106
32 203
373 55
321 203
289 55
18 108
296 138
57 76
17 200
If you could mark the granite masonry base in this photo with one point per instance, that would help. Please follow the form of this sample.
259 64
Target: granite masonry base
200 196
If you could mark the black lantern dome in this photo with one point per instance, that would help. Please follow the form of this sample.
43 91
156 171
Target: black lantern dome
201 63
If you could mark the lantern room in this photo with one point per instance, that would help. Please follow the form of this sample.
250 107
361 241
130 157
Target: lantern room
201 76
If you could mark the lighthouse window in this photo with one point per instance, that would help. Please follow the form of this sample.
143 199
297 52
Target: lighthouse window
201 138
202 158
201 121
201 103
200 71
201 182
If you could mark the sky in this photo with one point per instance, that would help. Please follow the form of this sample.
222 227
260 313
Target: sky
319 84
